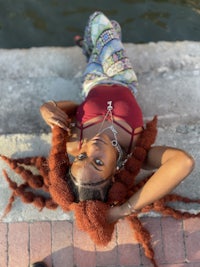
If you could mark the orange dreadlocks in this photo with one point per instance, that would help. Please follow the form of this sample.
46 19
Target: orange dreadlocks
90 215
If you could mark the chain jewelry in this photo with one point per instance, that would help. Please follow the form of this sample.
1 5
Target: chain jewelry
114 131
132 210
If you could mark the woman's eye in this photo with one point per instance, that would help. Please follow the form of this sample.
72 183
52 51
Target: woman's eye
81 156
99 162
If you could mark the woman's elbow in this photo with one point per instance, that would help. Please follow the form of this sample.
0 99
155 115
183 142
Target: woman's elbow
187 161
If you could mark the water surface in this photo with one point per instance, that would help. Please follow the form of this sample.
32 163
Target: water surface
28 23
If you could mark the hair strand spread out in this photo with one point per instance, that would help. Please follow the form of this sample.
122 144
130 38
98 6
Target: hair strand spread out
90 215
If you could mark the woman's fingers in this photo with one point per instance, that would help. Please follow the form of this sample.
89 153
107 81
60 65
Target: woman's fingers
60 124
55 116
61 115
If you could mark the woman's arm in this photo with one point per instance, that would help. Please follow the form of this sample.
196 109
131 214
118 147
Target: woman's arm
172 165
57 113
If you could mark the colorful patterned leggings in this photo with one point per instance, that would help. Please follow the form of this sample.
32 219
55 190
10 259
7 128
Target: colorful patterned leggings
107 60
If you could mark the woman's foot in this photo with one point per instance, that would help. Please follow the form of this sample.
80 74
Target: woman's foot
78 40
38 264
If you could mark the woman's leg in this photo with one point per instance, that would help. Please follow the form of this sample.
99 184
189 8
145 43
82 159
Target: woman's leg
93 30
93 73
107 57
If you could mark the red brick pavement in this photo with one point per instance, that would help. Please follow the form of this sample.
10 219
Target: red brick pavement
61 244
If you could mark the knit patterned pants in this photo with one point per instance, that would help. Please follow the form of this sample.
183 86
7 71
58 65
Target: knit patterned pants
107 60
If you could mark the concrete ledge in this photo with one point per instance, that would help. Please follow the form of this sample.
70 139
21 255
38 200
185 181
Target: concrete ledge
169 81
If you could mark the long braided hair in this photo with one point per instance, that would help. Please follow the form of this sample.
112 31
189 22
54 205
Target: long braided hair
90 215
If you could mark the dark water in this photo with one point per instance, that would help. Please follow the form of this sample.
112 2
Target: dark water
28 23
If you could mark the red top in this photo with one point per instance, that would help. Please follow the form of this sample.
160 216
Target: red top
124 106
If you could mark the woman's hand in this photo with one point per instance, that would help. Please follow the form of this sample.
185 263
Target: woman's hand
53 115
118 212
114 214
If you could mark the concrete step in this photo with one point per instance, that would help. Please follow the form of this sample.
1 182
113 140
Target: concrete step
169 82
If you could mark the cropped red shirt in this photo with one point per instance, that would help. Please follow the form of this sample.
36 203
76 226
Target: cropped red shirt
124 106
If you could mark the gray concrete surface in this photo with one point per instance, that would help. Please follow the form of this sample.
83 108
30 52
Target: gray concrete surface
169 86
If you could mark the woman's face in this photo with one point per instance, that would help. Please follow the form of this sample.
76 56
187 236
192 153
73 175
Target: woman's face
96 160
